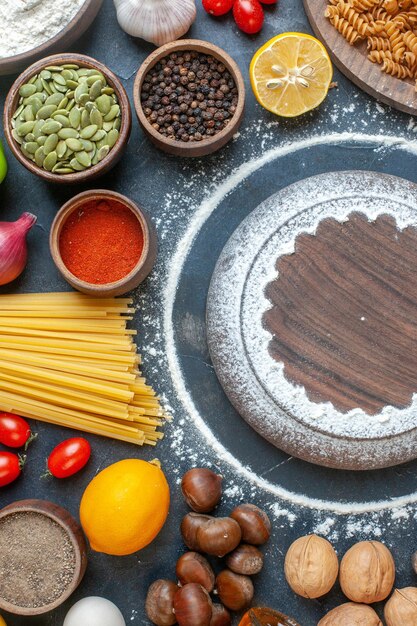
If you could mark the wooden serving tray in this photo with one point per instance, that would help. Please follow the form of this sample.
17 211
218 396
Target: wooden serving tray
354 63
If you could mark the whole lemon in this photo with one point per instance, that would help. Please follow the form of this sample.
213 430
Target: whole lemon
125 506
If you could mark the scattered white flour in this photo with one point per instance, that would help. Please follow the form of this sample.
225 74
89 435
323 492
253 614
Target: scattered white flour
27 24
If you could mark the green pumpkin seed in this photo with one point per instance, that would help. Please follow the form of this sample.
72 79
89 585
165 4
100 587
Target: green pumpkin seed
37 129
75 117
61 149
112 137
63 170
66 74
50 161
54 99
87 145
63 104
82 89
53 68
50 144
72 84
100 134
27 90
31 146
102 142
28 114
16 136
102 153
68 154
46 87
25 128
46 75
52 87
83 99
70 66
83 158
39 156
36 105
66 133
30 137
27 154
96 118
46 111
113 113
88 131
85 119
77 166
59 79
18 111
74 144
38 84
89 106
41 140
63 120
103 103
70 105
95 89
51 127
108 91
32 80
107 126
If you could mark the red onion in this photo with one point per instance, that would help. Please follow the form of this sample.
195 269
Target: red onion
13 248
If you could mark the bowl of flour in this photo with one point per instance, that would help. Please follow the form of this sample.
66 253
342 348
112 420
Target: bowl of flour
30 29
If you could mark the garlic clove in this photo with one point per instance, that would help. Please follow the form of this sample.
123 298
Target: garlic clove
157 21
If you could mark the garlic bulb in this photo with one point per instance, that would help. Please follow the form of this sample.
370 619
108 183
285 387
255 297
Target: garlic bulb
158 21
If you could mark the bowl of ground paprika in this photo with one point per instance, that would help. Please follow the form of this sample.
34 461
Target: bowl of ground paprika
103 243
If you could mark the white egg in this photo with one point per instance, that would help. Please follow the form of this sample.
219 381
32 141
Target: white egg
94 611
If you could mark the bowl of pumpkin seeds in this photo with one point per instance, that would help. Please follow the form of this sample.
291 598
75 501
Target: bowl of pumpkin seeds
67 118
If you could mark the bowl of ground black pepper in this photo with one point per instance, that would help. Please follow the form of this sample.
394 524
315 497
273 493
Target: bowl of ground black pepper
67 118
189 97
103 243
43 557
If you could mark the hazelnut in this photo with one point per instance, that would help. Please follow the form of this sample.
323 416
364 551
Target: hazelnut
193 606
311 566
159 604
254 523
202 489
220 616
235 591
246 560
266 617
194 568
367 572
352 614
401 608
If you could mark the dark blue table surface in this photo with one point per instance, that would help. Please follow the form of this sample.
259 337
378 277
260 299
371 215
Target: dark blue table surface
349 131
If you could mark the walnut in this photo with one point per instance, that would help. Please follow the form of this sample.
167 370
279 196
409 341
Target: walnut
367 572
311 566
352 614
401 608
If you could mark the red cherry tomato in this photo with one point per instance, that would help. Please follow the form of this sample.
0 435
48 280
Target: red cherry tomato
10 467
268 1
14 431
249 15
69 457
217 7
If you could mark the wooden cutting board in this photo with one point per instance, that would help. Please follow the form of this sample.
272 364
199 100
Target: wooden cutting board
352 61
312 320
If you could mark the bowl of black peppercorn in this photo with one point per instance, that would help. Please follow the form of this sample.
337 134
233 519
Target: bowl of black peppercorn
189 97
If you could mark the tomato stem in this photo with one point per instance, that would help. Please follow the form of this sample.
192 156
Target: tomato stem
32 437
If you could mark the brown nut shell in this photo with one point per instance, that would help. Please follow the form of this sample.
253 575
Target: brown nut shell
254 523
246 560
401 608
367 572
193 606
235 591
218 536
263 616
194 568
352 614
202 489
159 605
190 525
220 616
311 566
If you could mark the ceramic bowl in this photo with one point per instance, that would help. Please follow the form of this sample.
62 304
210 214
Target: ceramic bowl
126 119
62 40
195 148
139 272
75 534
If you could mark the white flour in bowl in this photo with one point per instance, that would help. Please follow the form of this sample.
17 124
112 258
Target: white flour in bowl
27 24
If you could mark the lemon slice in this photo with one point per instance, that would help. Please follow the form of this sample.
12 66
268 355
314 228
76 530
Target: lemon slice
291 74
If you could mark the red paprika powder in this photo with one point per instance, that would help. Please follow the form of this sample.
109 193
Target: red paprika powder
101 241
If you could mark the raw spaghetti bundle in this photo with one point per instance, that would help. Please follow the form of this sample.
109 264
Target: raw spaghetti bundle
389 28
70 360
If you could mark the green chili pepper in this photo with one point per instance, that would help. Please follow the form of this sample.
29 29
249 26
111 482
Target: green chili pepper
3 164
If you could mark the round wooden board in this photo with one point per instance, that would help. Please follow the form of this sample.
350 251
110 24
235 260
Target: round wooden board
353 62
312 317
